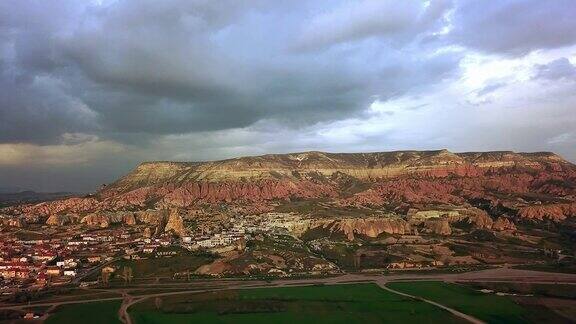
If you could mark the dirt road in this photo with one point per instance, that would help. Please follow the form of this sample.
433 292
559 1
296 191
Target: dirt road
466 317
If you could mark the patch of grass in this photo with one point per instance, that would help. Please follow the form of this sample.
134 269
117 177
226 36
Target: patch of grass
562 267
88 313
353 303
340 253
446 269
165 266
29 235
487 307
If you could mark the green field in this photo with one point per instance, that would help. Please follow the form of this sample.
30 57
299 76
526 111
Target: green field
353 303
568 267
487 307
88 313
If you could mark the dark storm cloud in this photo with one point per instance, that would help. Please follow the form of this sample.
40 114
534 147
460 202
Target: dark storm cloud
514 26
103 84
37 109
174 67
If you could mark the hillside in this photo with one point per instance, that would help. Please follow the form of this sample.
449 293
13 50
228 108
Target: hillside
363 166
394 181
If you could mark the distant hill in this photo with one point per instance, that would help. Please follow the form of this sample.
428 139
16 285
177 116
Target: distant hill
10 189
322 167
29 196
530 184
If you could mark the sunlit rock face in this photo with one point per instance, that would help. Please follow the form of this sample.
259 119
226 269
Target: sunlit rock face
503 224
175 223
351 227
59 220
395 180
555 212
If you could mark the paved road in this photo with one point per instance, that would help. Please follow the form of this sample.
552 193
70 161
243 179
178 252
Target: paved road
97 268
123 315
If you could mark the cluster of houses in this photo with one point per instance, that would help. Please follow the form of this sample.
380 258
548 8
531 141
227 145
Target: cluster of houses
63 257
55 260
240 229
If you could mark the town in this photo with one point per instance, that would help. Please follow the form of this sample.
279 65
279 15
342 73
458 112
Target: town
72 254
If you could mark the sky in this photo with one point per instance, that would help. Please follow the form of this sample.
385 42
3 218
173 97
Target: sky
89 89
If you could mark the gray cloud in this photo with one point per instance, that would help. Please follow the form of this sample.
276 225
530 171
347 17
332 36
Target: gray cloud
391 21
490 87
145 78
513 27
39 110
555 70
179 66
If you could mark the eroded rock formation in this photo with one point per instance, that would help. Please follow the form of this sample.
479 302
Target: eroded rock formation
370 227
175 223
59 220
390 180
555 212
438 226
503 224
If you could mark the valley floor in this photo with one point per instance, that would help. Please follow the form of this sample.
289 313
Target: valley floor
348 298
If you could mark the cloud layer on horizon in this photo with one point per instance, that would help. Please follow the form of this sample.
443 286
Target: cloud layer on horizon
91 88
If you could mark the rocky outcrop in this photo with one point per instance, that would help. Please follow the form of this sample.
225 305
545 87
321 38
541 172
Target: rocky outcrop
503 224
163 220
554 212
59 220
388 179
438 227
370 227
152 217
175 223
351 227
99 220
191 192
71 205
315 165
105 219
480 220
129 219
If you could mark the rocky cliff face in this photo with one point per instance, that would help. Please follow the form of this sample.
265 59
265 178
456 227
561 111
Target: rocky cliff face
370 227
394 177
555 212
318 165
102 220
394 180
430 221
